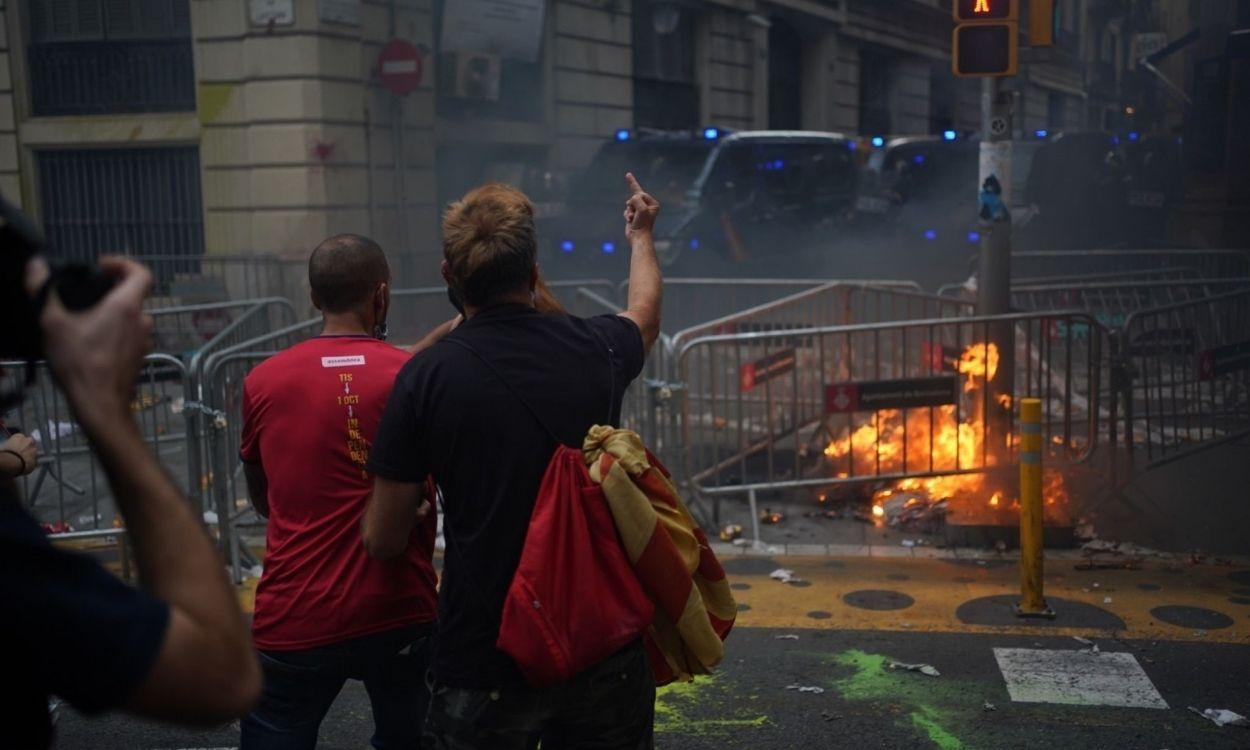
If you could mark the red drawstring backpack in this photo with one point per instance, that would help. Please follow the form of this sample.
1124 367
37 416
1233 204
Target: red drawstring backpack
574 599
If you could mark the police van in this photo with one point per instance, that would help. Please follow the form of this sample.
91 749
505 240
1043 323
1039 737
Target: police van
729 200
587 237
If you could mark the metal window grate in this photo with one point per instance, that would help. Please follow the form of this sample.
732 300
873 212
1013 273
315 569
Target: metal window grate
91 57
135 201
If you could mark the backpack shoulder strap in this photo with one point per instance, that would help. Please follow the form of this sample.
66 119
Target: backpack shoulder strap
515 393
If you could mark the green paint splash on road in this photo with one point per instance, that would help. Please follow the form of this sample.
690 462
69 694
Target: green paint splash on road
926 719
872 680
677 704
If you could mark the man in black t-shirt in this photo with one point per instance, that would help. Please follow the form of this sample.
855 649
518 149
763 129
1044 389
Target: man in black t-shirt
177 649
453 416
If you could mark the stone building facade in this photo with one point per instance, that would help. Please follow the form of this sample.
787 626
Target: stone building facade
259 126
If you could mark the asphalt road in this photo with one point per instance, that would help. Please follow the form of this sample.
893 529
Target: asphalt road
864 704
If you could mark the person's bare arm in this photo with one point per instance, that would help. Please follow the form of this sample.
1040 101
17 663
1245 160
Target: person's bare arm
433 336
205 671
392 512
257 487
645 284
19 456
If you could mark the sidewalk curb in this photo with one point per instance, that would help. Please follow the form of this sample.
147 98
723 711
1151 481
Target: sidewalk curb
728 551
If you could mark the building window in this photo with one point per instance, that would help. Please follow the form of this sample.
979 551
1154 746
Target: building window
876 80
110 56
137 201
1055 111
785 76
482 84
665 95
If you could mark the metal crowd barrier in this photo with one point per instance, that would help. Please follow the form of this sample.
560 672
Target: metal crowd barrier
69 491
832 405
648 402
185 330
691 301
221 389
1177 273
1210 264
837 302
1183 375
1113 302
218 278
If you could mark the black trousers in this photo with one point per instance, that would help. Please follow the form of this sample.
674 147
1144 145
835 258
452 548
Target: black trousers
610 706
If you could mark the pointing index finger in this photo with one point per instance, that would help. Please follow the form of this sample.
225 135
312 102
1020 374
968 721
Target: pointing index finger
630 180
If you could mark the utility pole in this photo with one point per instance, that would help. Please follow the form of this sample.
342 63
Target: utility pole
994 265
994 276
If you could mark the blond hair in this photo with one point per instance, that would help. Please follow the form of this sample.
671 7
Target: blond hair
489 243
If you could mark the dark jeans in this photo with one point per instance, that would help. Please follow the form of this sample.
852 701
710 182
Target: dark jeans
610 706
301 685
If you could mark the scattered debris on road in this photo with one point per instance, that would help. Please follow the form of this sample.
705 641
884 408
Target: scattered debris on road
921 668
806 689
784 575
1091 647
828 716
731 532
786 637
1222 717
989 707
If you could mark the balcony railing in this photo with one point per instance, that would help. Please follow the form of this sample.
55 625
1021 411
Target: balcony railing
103 77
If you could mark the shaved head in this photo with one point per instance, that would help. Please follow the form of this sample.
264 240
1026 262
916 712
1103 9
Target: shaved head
345 270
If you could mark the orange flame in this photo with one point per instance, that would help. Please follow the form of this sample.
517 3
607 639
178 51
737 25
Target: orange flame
979 363
932 440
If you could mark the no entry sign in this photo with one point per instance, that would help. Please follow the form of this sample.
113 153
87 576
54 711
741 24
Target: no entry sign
399 67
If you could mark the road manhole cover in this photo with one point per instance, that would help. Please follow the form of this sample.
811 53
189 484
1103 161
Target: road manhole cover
1192 617
879 600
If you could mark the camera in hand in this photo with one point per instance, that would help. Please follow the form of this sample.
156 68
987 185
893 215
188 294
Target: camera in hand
78 285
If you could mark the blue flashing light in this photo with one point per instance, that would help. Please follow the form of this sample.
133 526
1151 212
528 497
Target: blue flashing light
930 234
850 145
974 237
778 164
622 135
609 248
694 243
711 134
1115 140
1041 132
1133 136
918 158
949 135
878 141
566 246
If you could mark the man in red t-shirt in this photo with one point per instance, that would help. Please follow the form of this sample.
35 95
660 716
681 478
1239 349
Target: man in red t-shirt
326 612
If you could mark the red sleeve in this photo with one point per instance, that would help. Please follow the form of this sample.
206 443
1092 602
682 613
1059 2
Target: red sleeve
249 439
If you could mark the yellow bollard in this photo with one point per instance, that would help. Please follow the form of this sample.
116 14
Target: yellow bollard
1032 601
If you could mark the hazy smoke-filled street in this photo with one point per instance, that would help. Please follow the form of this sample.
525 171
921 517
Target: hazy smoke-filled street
926 322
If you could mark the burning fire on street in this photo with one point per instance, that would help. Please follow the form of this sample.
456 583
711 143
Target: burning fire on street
982 487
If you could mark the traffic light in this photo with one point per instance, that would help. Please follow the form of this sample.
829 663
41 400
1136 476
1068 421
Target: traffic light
968 11
1042 23
985 41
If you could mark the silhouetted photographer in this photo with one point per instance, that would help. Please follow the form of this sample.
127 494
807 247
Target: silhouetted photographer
175 649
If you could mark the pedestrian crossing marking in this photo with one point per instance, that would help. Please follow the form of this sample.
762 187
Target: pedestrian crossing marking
1079 678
